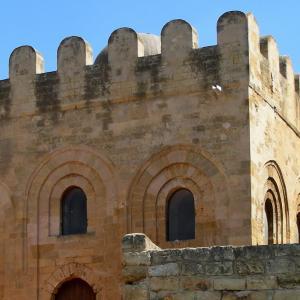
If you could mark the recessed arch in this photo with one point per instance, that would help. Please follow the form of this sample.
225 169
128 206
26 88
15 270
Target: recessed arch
68 272
275 189
179 166
72 166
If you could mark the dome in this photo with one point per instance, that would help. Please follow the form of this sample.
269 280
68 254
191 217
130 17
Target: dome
151 42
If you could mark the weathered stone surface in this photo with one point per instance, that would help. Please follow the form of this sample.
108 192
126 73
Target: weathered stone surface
135 292
192 269
171 269
137 258
262 283
151 116
186 278
219 268
164 284
229 284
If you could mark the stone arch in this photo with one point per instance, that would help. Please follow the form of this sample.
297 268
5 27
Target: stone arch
80 166
275 190
174 167
70 271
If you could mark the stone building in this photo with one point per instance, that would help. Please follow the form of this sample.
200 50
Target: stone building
157 133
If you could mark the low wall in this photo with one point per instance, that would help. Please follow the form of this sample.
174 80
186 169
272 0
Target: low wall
217 273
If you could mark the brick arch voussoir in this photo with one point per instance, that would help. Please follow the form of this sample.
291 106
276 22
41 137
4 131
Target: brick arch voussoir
82 154
69 271
69 155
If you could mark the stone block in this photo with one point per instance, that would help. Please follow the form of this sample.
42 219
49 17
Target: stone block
192 269
164 283
249 267
196 283
171 269
137 242
289 281
286 295
132 292
280 266
262 283
219 268
229 284
134 273
137 258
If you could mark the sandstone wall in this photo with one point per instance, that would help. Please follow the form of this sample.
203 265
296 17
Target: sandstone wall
274 106
217 273
128 130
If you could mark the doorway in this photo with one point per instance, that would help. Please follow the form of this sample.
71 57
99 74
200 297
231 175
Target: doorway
75 289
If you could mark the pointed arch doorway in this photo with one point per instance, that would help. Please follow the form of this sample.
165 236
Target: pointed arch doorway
75 289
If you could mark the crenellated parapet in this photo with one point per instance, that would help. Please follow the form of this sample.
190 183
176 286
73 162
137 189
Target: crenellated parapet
135 65
272 76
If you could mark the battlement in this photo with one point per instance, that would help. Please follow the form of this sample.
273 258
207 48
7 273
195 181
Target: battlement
135 65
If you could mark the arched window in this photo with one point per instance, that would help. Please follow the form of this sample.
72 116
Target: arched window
298 226
75 289
181 216
269 222
73 211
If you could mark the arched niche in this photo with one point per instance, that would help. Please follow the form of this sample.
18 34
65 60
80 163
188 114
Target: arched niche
275 191
180 167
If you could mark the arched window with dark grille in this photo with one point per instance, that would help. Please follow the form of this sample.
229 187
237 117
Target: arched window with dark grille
73 211
181 216
269 222
298 226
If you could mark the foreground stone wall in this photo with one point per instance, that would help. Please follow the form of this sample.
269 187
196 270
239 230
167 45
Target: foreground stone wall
217 273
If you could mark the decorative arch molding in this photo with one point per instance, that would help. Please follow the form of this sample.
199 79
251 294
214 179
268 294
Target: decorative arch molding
275 190
71 166
174 167
70 271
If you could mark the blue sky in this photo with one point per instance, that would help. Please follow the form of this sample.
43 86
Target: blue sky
44 23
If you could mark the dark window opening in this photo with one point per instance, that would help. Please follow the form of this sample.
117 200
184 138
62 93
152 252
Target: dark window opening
298 226
181 216
73 212
75 289
270 221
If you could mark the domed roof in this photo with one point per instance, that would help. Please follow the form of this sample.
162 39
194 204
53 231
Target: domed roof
151 42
